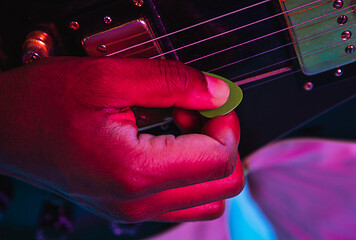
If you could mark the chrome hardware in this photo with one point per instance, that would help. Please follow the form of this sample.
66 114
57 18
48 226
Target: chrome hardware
107 19
342 19
308 86
132 39
38 44
30 57
102 48
73 25
350 49
328 56
138 3
338 72
346 35
338 4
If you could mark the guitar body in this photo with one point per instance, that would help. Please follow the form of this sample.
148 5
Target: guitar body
278 97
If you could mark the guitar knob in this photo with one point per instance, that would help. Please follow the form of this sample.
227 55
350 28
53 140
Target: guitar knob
37 45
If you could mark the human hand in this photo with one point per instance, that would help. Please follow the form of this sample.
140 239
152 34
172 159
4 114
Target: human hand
66 126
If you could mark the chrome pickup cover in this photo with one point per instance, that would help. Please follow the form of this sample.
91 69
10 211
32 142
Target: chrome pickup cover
116 39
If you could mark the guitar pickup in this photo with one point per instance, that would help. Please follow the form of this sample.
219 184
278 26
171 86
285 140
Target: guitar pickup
321 33
133 39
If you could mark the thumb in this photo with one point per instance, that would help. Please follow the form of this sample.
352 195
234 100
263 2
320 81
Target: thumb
162 84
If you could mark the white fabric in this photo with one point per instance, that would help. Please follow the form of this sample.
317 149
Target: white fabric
307 188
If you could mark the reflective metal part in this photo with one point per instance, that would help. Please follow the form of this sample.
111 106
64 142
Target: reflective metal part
73 25
320 48
338 4
264 75
346 35
107 19
30 57
308 86
350 49
102 48
37 45
338 72
114 41
138 3
342 19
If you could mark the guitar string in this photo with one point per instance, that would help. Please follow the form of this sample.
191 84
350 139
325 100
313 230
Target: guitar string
262 68
286 60
278 77
282 46
264 36
271 80
210 20
192 26
229 31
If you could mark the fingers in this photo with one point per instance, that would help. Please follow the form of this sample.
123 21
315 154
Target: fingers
198 194
168 201
188 120
166 162
151 83
157 175
204 212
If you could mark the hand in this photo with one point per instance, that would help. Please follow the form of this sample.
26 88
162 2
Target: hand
66 126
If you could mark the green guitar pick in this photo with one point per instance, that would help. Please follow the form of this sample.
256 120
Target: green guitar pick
232 102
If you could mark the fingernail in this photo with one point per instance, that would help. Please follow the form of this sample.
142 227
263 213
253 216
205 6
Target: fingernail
218 88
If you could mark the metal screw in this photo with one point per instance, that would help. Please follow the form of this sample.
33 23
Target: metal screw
342 19
338 72
73 25
346 35
107 19
102 48
138 3
30 57
308 86
350 49
338 4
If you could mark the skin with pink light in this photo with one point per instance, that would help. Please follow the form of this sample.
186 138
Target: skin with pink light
67 127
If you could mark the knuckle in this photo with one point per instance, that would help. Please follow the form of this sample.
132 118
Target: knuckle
175 74
87 84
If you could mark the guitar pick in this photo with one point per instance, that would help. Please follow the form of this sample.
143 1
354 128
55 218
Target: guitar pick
232 102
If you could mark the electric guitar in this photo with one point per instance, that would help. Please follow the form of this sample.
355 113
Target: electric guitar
293 59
